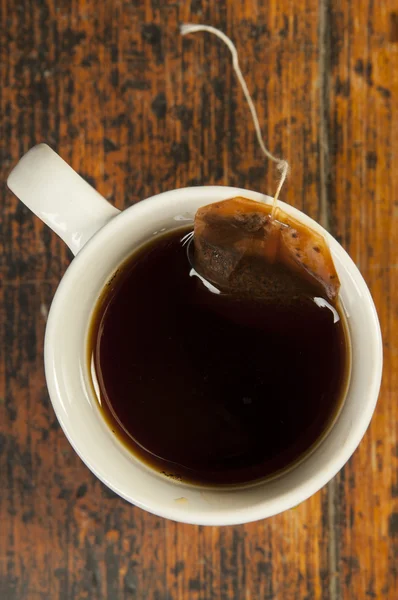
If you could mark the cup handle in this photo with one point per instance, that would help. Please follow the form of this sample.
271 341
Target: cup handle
59 196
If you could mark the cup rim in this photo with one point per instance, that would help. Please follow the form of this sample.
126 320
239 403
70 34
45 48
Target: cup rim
219 516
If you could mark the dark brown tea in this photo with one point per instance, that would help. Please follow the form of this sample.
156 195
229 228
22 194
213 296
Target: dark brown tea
208 387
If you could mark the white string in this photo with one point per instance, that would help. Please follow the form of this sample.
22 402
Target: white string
282 165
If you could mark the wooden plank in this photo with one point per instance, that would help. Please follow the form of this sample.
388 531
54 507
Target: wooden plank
137 111
364 192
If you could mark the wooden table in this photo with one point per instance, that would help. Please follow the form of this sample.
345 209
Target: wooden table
136 109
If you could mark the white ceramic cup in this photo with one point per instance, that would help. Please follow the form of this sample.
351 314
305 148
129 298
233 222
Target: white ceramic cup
101 237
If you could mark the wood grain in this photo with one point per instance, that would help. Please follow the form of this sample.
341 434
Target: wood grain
364 195
137 110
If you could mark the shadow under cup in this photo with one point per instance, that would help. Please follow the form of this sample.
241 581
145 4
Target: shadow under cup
74 399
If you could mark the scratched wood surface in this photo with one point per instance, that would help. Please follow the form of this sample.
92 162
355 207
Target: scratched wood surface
137 110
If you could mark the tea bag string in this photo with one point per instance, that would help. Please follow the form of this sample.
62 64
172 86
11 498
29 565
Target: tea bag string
282 165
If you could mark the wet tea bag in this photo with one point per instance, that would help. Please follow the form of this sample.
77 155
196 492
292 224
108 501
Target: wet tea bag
243 246
250 248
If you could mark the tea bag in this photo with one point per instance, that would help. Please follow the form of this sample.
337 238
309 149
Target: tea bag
246 247
253 249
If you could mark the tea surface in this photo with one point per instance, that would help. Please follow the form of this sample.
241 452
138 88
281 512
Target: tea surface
211 388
